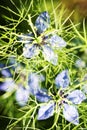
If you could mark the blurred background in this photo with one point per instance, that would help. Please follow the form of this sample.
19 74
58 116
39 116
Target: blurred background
78 6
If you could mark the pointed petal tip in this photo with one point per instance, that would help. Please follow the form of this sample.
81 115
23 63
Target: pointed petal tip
62 79
71 114
29 51
49 55
42 22
57 41
46 111
76 96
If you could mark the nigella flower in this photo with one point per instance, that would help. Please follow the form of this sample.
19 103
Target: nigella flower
46 43
9 85
66 101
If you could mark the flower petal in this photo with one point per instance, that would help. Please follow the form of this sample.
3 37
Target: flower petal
57 41
71 114
76 96
22 96
42 96
34 83
62 79
80 63
8 85
30 51
5 71
49 55
46 111
42 22
26 38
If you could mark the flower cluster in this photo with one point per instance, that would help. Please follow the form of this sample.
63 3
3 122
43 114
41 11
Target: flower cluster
65 99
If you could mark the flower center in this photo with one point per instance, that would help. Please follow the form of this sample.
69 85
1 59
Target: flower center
40 40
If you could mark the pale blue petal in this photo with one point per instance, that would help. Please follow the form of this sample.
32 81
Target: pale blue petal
42 22
76 96
57 41
30 51
34 83
42 97
46 111
71 114
49 55
26 38
62 79
8 85
22 96
80 63
5 71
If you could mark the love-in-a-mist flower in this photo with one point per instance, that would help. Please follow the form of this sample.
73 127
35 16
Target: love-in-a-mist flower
42 42
9 85
66 101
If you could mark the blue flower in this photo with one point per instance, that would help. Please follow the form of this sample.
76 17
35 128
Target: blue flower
67 101
45 43
9 85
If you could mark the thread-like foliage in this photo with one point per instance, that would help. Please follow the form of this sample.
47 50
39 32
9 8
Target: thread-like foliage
34 85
